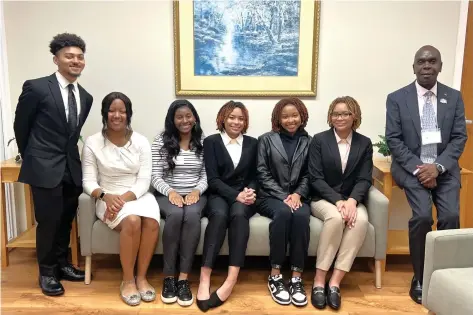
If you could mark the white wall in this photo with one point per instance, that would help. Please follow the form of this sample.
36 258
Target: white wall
366 51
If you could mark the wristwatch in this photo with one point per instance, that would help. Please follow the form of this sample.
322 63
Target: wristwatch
101 195
440 168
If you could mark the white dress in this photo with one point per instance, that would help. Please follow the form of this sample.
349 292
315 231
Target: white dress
117 170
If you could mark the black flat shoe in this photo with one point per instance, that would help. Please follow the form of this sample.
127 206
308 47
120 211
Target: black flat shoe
214 300
203 305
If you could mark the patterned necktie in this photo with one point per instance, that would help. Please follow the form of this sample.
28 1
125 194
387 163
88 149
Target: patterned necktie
428 123
72 105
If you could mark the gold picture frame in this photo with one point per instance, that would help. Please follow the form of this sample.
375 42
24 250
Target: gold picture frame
303 84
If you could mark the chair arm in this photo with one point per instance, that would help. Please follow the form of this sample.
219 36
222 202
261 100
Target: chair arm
377 206
86 218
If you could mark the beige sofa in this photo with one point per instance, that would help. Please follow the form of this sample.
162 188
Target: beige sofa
448 272
97 238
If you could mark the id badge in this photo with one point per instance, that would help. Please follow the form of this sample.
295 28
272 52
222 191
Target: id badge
431 137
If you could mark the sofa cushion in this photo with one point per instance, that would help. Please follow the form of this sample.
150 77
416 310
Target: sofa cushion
450 290
258 243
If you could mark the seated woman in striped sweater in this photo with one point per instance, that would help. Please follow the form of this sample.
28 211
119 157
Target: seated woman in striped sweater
178 175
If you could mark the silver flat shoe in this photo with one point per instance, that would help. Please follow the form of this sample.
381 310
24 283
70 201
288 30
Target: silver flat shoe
132 300
148 296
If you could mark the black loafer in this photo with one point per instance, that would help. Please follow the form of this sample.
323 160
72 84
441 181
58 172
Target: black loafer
416 291
334 298
318 298
71 273
50 286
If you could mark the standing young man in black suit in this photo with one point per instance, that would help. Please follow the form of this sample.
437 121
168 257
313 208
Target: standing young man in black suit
48 119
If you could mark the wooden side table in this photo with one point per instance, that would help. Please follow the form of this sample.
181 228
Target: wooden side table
398 240
10 171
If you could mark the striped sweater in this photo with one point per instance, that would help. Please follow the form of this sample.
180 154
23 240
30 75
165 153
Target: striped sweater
188 174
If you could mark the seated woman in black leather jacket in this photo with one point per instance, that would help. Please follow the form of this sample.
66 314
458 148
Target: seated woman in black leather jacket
284 191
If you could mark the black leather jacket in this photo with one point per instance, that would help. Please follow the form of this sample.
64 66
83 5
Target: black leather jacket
276 177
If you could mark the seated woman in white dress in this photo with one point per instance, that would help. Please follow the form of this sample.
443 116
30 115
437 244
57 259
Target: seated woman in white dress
116 166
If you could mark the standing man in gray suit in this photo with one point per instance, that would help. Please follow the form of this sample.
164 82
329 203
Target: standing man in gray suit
426 133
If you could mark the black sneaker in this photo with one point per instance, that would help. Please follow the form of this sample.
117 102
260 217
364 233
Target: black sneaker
297 291
168 295
184 293
278 290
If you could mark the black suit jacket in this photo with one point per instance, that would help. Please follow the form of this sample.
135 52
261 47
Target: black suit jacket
325 168
43 136
403 130
276 177
223 178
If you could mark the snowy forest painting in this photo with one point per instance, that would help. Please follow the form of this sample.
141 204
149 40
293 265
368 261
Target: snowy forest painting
246 38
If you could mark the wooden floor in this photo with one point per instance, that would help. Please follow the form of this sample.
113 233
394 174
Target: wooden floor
20 293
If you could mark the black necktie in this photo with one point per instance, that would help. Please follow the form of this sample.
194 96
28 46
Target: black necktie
72 104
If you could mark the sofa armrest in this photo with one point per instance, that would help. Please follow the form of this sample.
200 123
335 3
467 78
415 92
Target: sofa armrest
86 217
377 206
446 249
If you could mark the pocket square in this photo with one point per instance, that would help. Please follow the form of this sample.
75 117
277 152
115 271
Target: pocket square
443 101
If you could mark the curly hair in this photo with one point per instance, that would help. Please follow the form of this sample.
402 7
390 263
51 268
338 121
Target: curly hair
226 110
171 135
276 116
353 108
107 102
66 40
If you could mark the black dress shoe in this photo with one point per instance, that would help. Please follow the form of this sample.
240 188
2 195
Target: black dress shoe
50 285
214 300
416 291
71 273
318 298
334 298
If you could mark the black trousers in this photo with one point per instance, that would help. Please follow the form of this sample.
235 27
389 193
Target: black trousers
446 198
55 209
221 215
286 227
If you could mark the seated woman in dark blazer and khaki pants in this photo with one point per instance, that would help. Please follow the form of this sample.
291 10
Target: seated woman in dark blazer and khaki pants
230 162
340 168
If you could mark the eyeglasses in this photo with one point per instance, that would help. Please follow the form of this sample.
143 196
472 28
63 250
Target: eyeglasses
343 115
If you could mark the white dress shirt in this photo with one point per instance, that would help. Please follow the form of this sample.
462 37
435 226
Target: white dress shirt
234 147
344 148
421 99
63 83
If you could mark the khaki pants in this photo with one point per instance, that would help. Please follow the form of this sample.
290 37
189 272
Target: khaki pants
336 237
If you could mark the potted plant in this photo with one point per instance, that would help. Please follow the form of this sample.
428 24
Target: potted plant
383 148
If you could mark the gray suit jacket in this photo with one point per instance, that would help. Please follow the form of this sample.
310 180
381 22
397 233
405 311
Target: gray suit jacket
403 130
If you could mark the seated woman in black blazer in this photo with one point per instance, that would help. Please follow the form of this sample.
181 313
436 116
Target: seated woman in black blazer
230 162
340 167
283 196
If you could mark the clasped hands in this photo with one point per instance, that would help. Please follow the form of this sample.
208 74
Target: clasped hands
347 209
114 203
293 201
427 175
247 196
188 200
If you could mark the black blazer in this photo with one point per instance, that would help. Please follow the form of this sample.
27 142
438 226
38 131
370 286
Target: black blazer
325 168
43 136
276 177
222 177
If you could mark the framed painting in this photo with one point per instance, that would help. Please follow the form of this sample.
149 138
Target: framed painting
246 48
